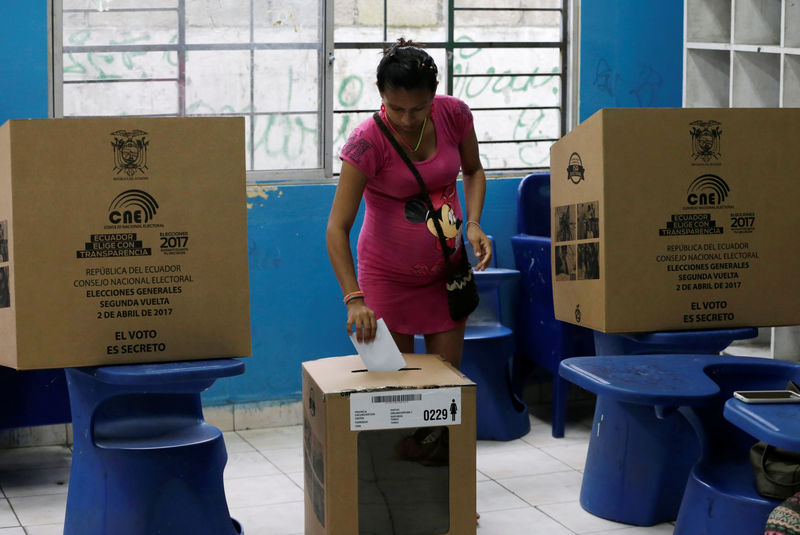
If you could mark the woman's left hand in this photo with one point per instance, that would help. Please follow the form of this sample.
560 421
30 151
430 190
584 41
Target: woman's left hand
481 245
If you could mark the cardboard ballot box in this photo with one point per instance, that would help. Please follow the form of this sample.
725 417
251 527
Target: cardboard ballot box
669 219
122 240
388 452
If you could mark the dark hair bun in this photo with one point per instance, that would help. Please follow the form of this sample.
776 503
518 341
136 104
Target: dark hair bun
405 65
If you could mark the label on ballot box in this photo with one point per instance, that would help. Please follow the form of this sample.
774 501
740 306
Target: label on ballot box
394 409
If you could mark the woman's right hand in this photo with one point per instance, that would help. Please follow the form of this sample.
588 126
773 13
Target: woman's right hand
361 320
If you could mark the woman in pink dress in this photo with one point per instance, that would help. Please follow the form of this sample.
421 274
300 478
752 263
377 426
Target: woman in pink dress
401 270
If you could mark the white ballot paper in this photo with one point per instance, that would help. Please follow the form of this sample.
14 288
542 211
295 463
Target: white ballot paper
380 355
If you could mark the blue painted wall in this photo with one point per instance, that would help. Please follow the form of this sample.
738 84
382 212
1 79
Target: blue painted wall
23 60
296 305
631 54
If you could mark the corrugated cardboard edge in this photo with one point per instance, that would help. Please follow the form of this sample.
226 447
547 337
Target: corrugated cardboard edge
314 429
603 323
564 146
8 323
343 375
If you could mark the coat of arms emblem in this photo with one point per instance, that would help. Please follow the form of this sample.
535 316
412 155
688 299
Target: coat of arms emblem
130 152
706 140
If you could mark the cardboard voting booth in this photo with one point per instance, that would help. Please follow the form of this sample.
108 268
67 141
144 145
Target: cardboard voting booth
364 471
670 219
122 240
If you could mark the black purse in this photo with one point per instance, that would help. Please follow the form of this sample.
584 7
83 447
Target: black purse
462 292
777 471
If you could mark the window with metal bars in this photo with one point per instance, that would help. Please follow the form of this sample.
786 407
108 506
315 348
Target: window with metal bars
505 58
302 72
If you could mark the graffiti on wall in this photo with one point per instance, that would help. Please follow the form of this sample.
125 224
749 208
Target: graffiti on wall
291 138
639 88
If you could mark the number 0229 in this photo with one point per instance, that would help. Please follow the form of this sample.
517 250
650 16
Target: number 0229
434 414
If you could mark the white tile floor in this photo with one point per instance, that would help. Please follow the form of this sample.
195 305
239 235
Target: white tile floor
531 483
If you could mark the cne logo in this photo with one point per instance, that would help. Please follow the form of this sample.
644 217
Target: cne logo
131 207
130 151
707 190
575 168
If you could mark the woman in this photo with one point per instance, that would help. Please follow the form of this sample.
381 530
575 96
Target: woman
401 269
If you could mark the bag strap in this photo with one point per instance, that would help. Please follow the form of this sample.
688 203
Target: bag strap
425 195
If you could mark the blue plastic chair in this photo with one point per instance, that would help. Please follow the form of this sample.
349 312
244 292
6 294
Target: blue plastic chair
144 461
707 341
641 456
486 359
541 339
33 397
720 497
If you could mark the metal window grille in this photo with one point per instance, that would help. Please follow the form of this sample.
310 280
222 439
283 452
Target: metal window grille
519 64
126 57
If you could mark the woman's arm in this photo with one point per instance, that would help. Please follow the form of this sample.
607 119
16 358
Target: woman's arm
474 193
360 319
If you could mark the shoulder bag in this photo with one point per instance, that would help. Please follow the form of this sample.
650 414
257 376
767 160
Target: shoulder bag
777 471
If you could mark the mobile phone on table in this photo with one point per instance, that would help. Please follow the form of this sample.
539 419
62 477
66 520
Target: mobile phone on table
767 396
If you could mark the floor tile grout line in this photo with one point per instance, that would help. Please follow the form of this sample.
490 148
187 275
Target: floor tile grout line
264 504
40 495
14 511
534 505
505 509
570 469
262 454
559 460
278 468
557 521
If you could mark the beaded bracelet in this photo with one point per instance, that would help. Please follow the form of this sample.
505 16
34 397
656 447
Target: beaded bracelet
353 295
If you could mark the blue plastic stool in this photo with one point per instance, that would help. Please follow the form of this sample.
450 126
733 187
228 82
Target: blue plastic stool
33 397
488 350
671 342
542 340
486 359
144 461
720 496
638 455
720 500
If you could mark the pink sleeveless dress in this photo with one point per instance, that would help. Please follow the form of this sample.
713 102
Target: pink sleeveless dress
399 256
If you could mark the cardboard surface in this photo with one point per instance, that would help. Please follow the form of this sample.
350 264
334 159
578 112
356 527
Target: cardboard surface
341 488
127 241
672 219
